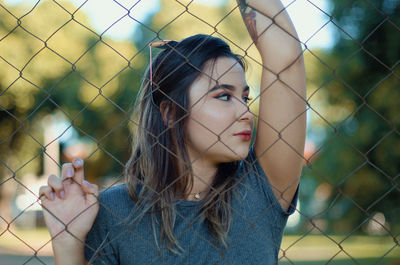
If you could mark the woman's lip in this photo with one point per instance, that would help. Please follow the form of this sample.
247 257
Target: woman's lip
244 136
247 132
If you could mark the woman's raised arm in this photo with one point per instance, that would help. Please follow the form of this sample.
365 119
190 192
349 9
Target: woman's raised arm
281 127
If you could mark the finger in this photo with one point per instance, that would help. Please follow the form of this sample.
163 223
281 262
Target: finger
67 171
91 190
77 164
56 184
45 192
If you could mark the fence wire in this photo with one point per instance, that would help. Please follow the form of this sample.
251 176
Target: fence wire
24 81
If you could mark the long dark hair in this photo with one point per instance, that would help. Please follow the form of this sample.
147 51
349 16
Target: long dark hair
158 156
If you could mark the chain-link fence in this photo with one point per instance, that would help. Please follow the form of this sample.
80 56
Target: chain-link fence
67 90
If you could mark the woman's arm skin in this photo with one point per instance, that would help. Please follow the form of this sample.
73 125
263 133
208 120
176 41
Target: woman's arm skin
70 207
281 130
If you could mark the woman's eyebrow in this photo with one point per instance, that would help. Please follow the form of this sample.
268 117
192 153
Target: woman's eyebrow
227 86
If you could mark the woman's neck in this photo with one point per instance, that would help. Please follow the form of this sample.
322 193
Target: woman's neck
203 177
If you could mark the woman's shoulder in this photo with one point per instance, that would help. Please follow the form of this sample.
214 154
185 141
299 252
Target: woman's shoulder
116 194
115 203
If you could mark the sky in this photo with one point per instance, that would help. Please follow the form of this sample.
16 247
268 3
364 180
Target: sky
306 17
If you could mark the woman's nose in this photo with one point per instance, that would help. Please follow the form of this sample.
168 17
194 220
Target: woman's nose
244 112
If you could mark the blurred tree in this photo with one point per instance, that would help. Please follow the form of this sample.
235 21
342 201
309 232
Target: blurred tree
358 105
51 60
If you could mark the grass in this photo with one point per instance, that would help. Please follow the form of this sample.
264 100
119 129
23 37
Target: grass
336 249
371 261
25 242
310 250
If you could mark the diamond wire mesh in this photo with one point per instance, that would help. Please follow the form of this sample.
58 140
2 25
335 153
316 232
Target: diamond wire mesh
15 72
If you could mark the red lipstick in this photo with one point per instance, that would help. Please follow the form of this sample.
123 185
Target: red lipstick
245 135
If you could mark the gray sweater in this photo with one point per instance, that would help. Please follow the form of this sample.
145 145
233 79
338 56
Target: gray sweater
254 238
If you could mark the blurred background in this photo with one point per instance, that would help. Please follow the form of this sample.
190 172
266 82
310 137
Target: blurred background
70 72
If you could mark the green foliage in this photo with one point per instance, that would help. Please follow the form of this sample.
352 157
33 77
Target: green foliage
52 63
360 156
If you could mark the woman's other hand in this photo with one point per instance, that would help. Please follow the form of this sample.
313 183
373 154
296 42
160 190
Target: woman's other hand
70 204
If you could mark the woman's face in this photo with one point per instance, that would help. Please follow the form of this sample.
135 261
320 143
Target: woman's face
219 124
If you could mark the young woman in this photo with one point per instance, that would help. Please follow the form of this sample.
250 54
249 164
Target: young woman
195 191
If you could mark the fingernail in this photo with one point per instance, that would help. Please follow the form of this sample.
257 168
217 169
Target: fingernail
62 193
78 162
52 196
69 172
88 183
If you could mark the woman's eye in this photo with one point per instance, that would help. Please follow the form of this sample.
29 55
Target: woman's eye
227 97
224 97
246 99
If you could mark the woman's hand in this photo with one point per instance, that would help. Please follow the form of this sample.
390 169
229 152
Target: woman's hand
272 32
70 204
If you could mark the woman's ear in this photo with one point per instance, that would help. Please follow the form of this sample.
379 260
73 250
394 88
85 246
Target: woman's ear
167 111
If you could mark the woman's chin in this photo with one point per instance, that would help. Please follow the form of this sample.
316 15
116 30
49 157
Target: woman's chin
242 155
224 154
235 154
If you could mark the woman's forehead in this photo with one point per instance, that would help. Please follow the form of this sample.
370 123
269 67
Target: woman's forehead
223 71
221 67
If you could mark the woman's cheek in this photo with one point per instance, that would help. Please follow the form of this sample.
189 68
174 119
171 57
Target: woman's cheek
210 121
217 118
